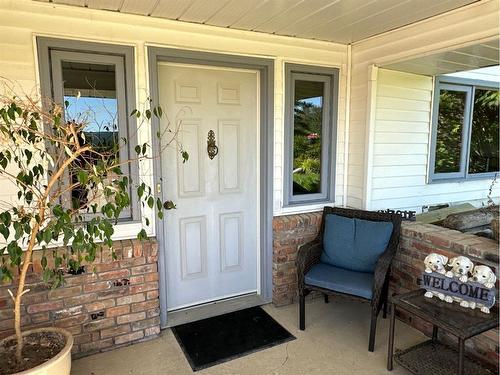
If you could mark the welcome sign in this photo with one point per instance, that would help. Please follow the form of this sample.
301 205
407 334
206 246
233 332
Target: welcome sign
469 291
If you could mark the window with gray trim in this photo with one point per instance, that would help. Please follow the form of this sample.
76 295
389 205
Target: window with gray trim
90 82
465 129
310 127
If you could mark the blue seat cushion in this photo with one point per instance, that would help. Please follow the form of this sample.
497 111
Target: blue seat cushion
341 280
354 244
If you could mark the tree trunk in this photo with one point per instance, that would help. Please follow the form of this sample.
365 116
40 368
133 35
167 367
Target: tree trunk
471 219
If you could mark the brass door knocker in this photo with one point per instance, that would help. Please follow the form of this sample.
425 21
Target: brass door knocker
212 148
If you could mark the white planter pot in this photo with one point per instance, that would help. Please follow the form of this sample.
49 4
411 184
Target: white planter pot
58 365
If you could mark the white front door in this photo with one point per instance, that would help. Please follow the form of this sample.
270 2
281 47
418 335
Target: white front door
212 242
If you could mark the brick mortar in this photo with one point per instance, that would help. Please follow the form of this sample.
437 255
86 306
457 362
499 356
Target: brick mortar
125 291
417 240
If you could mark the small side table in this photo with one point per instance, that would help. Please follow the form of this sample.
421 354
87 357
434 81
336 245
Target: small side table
458 321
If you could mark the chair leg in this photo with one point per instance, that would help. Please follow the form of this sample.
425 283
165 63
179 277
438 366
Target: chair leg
302 312
373 330
326 298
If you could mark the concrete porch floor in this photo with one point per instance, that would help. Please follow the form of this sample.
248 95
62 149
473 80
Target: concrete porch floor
335 342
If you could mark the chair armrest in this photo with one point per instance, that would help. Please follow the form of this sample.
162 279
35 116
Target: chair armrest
382 270
308 255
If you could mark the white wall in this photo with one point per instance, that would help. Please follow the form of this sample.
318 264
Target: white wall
464 26
401 148
23 20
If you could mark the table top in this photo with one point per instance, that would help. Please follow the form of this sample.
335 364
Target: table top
459 321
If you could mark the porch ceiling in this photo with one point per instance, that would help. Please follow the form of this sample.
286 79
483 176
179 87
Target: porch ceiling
470 57
341 21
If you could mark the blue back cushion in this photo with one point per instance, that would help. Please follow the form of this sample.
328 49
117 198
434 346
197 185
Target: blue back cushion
354 244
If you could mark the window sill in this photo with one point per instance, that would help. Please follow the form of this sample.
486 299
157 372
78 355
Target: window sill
469 178
303 208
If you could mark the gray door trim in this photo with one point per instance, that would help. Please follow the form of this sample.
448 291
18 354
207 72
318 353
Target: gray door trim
266 69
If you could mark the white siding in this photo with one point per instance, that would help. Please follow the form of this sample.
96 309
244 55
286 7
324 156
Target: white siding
464 26
23 20
401 144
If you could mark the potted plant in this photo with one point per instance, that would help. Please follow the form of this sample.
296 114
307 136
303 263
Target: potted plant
71 190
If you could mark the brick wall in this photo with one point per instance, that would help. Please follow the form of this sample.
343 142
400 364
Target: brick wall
114 303
289 232
417 241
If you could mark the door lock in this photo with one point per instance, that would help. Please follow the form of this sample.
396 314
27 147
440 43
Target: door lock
212 148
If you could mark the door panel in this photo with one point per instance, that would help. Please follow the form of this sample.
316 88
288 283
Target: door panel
212 236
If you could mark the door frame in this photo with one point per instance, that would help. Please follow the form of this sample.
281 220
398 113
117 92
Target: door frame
266 121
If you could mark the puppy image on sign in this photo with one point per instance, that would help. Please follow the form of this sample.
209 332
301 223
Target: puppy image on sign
435 263
484 275
460 268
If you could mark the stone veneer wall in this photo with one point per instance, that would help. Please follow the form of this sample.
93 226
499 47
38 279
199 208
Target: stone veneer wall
114 303
417 240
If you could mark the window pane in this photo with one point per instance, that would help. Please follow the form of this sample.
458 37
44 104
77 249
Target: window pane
307 136
484 137
90 97
449 131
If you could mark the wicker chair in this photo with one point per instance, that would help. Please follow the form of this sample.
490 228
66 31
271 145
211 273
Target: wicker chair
310 253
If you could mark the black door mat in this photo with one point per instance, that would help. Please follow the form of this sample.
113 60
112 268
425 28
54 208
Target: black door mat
222 338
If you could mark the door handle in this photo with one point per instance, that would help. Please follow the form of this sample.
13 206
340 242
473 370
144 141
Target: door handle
212 148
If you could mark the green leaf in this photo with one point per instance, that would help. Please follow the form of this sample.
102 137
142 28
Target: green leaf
83 177
185 156
151 202
137 149
142 235
4 231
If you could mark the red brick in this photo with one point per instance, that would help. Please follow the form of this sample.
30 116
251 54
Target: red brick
115 331
133 262
129 337
40 317
103 267
144 269
127 300
82 339
95 287
74 330
142 306
136 280
130 318
112 275
119 310
80 300
100 305
114 292
151 277
96 346
143 287
72 321
142 324
99 324
152 331
80 279
68 311
6 314
137 248
152 294
45 306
